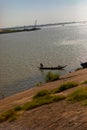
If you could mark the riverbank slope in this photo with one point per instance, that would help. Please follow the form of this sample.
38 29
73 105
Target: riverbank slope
60 115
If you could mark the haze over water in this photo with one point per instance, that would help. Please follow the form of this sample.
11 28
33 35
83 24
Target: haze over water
21 54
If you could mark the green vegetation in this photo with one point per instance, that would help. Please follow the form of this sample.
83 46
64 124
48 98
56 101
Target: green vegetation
39 84
84 82
52 77
10 31
78 69
41 98
65 86
85 102
42 101
46 97
78 95
17 108
9 115
41 93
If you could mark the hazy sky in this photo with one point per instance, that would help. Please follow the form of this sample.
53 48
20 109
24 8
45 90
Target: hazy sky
25 12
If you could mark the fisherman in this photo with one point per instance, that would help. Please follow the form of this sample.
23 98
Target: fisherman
41 65
59 66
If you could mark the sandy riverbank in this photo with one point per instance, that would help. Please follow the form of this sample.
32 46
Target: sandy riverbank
48 117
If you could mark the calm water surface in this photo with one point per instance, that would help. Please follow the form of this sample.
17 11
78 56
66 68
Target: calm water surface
21 54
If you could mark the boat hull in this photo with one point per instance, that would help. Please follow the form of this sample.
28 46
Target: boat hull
84 65
52 68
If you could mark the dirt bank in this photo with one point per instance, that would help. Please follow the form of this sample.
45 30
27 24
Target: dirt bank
55 116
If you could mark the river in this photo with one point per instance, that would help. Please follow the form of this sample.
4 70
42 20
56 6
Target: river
21 53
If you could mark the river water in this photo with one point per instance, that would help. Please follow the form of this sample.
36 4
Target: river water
21 53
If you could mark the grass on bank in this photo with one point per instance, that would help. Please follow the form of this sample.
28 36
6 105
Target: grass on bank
41 98
18 108
9 115
39 84
85 102
65 86
41 93
52 76
42 101
78 69
84 82
78 95
46 97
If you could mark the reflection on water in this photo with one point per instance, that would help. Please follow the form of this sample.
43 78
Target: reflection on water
21 54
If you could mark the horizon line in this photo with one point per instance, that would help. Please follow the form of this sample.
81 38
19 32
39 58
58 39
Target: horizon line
42 25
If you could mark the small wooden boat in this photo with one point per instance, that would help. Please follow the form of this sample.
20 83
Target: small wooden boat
52 68
84 65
